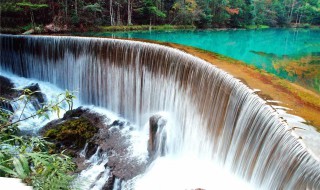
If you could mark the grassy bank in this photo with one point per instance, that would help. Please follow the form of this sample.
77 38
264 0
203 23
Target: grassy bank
145 27
256 27
19 30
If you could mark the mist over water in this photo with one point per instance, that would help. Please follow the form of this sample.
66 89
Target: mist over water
216 126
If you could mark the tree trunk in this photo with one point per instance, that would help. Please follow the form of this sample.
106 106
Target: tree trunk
291 11
111 13
32 20
76 7
297 18
66 11
150 23
300 18
118 15
129 12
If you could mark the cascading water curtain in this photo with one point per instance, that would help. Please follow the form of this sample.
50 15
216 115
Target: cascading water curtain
216 116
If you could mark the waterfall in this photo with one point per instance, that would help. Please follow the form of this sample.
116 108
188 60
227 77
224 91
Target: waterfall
214 116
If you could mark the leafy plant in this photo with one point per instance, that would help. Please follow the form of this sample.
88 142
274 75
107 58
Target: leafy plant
30 158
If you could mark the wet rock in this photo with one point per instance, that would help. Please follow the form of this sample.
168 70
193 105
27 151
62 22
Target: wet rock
36 92
74 113
92 148
118 123
7 88
110 140
73 130
116 144
110 183
37 97
157 136
6 105
7 93
55 28
123 165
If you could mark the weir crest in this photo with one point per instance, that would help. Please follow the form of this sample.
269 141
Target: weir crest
215 116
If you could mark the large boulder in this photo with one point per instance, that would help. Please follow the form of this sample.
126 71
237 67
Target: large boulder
84 134
73 130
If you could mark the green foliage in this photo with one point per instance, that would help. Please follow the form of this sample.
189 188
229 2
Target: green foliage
10 7
204 14
204 19
149 9
28 6
27 27
55 107
28 157
186 12
93 7
32 6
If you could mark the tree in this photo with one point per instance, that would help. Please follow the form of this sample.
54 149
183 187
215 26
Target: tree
92 8
30 7
150 10
220 15
263 13
203 16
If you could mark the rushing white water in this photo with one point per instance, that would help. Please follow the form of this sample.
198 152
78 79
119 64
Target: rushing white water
188 173
217 119
23 109
96 174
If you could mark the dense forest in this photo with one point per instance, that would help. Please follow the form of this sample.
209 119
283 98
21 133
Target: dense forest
200 13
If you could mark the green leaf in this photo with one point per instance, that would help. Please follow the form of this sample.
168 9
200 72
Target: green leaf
25 164
19 168
21 97
46 115
8 170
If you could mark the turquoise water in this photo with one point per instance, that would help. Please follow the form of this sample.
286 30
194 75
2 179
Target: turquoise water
261 48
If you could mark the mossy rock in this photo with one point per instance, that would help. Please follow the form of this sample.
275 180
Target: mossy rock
73 132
